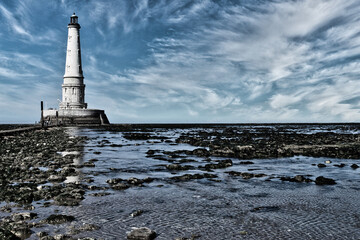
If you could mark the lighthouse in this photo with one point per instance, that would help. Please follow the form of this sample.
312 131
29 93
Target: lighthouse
73 88
72 108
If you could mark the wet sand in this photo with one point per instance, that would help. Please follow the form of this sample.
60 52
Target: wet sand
182 181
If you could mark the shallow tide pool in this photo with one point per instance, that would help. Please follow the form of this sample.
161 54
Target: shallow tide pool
226 207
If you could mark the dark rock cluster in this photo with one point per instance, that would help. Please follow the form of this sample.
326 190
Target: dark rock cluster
272 143
32 168
122 184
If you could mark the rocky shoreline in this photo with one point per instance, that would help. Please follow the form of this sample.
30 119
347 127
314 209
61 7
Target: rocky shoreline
32 170
36 166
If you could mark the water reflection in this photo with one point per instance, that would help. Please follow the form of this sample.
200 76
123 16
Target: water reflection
78 161
78 156
73 131
73 179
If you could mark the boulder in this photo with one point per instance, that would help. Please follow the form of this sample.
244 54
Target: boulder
56 178
59 219
120 186
324 181
23 216
354 166
142 233
114 180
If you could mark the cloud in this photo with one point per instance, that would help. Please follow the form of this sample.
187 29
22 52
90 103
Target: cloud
283 101
13 23
170 60
267 57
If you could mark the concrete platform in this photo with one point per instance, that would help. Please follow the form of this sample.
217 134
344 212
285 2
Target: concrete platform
75 117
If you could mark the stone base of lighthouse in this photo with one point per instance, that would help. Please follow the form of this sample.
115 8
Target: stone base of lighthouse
75 117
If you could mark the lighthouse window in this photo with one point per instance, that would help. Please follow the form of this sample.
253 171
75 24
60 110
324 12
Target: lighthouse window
68 68
69 52
65 90
73 91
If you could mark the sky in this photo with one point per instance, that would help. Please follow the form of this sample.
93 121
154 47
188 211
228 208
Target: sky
186 61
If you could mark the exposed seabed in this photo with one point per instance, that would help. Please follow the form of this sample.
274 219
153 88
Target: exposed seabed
207 182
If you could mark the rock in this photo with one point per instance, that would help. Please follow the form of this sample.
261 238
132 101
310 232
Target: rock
89 164
354 166
142 233
300 178
201 152
186 177
59 219
243 232
340 165
321 165
135 181
246 175
6 208
89 227
41 234
193 237
246 162
22 231
178 167
234 173
114 180
136 213
6 234
83 228
185 160
62 237
150 152
220 164
72 198
324 181
328 162
297 178
137 136
23 216
148 180
68 170
258 175
56 178
120 186
265 209
99 194
47 238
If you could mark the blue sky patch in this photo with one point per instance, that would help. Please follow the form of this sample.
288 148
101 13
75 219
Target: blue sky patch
186 61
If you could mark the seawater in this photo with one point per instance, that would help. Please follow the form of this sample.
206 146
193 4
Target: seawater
231 208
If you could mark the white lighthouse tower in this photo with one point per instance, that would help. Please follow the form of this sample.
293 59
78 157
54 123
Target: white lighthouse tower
72 108
73 88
